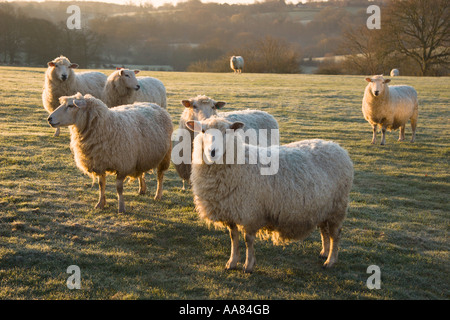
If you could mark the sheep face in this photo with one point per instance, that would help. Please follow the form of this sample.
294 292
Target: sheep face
215 136
66 113
377 85
127 79
202 107
61 68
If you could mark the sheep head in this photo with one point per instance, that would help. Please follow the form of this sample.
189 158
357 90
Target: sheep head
61 68
202 107
377 85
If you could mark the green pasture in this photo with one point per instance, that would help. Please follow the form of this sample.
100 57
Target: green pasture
398 217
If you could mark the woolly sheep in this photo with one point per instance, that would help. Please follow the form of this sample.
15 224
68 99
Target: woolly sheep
61 80
389 107
126 141
311 188
395 73
203 107
237 64
122 87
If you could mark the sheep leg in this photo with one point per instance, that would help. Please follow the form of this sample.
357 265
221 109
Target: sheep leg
101 186
57 131
250 259
234 257
142 185
383 136
335 234
119 187
325 235
413 127
162 167
374 136
402 133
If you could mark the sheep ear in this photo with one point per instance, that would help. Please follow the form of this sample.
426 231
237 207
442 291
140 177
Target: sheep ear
187 103
120 71
194 125
51 64
220 104
237 125
387 80
79 103
137 71
368 80
74 66
119 68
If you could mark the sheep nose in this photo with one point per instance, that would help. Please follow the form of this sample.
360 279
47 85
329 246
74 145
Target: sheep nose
213 153
138 87
49 119
63 77
376 92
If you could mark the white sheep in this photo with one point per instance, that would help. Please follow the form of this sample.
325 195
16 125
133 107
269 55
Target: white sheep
237 64
203 107
311 188
389 107
126 141
61 80
122 87
395 73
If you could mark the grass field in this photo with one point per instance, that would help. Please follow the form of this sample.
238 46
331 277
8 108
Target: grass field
398 217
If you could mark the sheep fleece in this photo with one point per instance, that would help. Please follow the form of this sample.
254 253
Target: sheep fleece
311 186
127 140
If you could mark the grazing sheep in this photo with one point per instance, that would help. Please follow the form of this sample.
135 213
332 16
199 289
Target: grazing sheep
61 80
203 107
237 64
122 87
395 73
126 141
389 107
311 188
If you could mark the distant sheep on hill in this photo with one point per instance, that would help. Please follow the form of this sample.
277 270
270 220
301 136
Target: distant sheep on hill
310 189
237 64
389 107
203 107
61 80
126 141
395 73
122 87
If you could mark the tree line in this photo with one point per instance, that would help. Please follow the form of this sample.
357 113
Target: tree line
272 36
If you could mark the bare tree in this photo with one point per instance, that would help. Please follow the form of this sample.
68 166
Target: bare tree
420 29
366 52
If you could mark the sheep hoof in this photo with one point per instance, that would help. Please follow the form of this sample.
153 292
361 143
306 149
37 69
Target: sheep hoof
248 270
100 205
323 256
327 265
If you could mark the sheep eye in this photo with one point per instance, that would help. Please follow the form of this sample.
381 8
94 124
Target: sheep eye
203 130
127 76
56 66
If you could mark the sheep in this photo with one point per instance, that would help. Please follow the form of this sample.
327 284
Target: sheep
61 80
389 107
237 64
203 107
310 188
395 73
126 140
122 87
